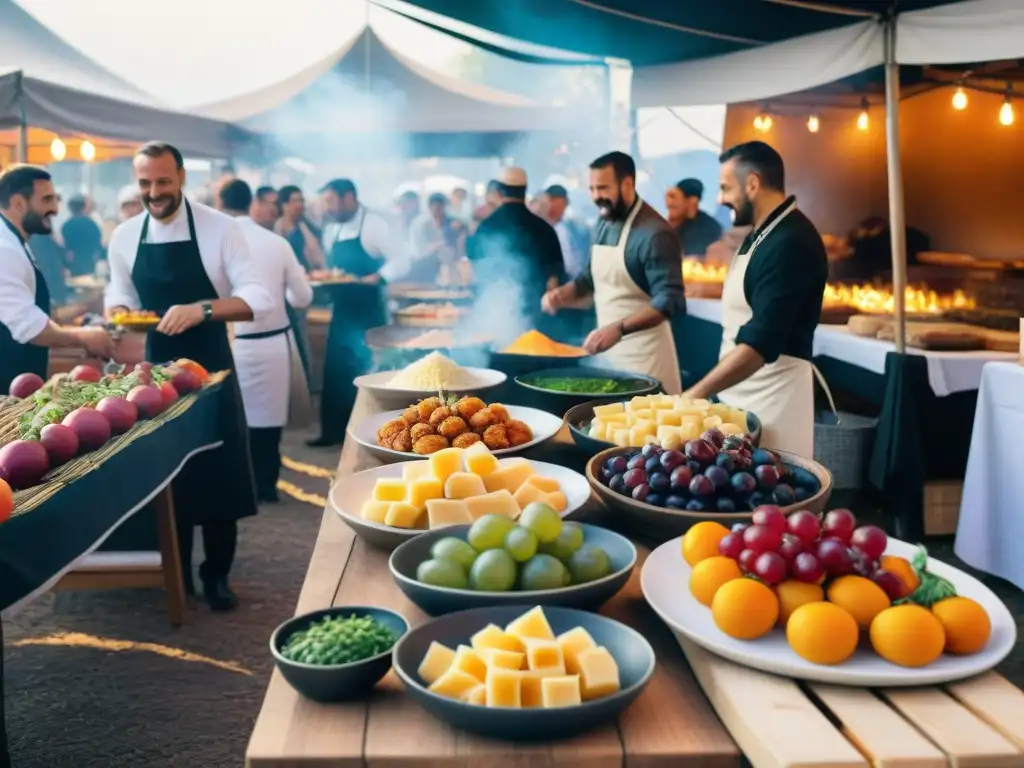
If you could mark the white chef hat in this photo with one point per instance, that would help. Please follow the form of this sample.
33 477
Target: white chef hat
129 194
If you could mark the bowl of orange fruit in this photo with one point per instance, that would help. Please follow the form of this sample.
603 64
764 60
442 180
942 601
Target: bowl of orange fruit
820 597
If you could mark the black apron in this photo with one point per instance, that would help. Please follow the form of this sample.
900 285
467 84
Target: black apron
214 486
16 358
357 308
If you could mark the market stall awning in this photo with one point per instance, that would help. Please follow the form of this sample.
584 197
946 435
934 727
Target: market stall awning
969 31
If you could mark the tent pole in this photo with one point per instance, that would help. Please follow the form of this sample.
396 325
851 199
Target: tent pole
22 119
897 213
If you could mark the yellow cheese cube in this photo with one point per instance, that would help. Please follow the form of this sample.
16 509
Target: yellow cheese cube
664 431
476 696
661 397
615 418
470 662
414 470
546 484
423 489
599 431
712 421
497 657
599 674
436 662
644 413
662 405
479 460
454 684
375 511
402 514
442 512
493 636
561 691
737 417
639 403
445 462
728 428
527 494
503 688
669 418
719 409
498 503
544 655
557 501
509 475
533 624
690 431
700 403
462 485
389 489
621 437
530 686
574 642
638 433
609 409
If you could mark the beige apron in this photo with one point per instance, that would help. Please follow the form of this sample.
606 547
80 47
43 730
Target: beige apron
781 394
617 297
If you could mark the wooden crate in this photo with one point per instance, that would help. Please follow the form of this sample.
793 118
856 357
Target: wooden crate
942 507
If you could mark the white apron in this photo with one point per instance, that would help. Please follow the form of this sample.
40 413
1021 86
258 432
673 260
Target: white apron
780 394
616 297
272 380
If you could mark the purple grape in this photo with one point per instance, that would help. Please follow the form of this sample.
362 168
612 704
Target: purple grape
701 486
767 476
617 484
739 528
800 495
761 456
694 466
755 500
713 436
726 461
700 451
634 477
636 462
784 495
725 505
617 464
656 500
641 492
696 505
732 442
743 482
672 459
681 476
653 465
651 449
676 502
606 474
718 476
659 482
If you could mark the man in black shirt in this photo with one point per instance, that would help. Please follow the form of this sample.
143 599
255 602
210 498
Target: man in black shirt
695 228
771 303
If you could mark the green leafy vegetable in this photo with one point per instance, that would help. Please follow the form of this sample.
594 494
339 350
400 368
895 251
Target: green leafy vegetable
339 640
931 588
587 386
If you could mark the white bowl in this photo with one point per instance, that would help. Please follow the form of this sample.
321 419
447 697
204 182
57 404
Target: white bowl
348 495
544 426
389 397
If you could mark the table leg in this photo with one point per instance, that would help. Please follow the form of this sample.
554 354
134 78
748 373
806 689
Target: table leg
170 559
5 755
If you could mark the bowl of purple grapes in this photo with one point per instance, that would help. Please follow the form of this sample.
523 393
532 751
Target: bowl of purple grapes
712 478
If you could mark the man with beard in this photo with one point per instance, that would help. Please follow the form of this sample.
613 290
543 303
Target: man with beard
635 275
771 303
265 208
190 264
696 229
27 204
360 244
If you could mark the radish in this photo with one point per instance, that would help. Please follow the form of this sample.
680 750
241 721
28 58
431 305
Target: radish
85 373
185 382
168 393
91 426
148 399
60 442
25 385
121 413
23 463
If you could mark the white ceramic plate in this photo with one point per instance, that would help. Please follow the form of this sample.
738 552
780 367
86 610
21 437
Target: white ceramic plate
348 494
377 383
665 577
544 426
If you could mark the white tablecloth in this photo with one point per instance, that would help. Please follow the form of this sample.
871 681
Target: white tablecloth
948 372
991 526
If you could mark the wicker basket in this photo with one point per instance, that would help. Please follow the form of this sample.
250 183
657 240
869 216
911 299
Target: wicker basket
844 447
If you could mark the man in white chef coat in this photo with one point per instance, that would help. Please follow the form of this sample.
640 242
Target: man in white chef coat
269 370
190 264
27 204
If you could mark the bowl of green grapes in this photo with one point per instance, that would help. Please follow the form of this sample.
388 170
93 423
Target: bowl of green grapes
537 559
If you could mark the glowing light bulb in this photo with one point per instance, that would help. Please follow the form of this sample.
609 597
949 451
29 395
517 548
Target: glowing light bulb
58 149
813 124
763 123
88 151
862 121
959 99
758 123
1006 113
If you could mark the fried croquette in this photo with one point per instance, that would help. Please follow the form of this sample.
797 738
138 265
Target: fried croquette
518 432
465 440
440 414
495 437
428 406
420 430
452 427
429 444
482 419
402 442
467 406
411 415
500 412
387 432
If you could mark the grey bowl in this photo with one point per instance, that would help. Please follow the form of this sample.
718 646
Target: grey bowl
629 648
440 600
339 682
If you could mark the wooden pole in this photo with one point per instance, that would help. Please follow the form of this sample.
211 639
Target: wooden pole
897 213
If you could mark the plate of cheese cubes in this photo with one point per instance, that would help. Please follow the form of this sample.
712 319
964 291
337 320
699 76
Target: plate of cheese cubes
520 673
389 504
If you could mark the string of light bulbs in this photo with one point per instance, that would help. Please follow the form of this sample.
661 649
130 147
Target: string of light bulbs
59 150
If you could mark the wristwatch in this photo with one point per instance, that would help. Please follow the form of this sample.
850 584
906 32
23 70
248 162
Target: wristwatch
622 329
207 310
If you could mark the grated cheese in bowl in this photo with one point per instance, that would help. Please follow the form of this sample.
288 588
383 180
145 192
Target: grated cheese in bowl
433 373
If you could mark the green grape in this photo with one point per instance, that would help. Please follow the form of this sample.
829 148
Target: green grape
442 573
493 571
521 544
568 541
543 520
543 572
456 550
589 563
489 531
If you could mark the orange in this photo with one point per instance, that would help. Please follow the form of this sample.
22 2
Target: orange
6 501
745 609
902 568
701 541
966 623
861 597
793 594
191 365
708 575
822 633
908 635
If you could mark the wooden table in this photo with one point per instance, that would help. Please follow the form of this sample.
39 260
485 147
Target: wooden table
776 722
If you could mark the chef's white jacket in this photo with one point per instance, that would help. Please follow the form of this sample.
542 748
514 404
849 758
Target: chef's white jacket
18 310
378 239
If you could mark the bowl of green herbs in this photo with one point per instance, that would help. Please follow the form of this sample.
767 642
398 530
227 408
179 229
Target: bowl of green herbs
339 653
558 389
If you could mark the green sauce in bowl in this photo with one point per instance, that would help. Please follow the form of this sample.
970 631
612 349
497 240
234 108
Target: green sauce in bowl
586 386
